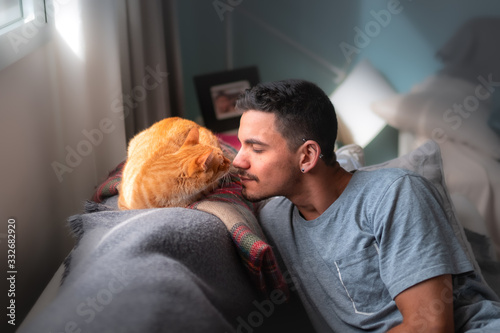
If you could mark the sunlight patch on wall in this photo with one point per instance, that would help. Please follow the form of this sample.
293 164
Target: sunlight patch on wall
68 24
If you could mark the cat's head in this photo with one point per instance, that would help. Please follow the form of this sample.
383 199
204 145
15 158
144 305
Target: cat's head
200 160
173 176
200 167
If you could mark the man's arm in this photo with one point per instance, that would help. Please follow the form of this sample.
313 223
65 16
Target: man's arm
427 306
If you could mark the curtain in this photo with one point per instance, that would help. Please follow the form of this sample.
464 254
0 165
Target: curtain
150 64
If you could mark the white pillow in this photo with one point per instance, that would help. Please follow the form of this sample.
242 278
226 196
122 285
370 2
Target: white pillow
429 110
350 157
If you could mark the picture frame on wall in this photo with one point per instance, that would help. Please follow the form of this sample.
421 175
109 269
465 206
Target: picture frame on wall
217 94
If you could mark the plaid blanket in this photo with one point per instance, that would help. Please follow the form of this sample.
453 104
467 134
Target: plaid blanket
238 214
109 187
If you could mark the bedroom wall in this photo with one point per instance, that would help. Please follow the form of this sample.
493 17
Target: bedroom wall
274 34
52 101
28 193
409 43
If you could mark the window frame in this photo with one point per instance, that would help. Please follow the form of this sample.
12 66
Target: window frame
13 22
24 36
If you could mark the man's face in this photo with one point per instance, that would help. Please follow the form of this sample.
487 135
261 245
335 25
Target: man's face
266 166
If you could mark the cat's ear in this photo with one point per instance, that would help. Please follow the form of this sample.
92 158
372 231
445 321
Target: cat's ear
192 138
205 160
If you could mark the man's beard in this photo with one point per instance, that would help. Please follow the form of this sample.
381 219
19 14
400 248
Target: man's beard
243 174
254 198
283 191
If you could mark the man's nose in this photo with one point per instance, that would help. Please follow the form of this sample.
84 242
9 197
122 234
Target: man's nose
239 161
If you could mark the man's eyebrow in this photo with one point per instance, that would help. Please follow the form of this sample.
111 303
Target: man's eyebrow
255 142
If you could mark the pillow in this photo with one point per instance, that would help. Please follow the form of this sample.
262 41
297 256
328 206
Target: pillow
426 161
444 108
350 157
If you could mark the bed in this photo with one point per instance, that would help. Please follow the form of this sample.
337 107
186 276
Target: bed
459 108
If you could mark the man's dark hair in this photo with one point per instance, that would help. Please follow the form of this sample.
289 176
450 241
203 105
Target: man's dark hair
302 109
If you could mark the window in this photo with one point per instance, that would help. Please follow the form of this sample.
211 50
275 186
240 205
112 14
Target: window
11 11
23 28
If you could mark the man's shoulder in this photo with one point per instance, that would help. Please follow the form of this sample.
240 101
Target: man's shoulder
385 172
384 177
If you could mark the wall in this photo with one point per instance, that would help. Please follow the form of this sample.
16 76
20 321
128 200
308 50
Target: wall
28 187
274 34
52 101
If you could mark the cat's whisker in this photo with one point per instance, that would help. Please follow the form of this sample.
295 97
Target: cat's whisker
225 179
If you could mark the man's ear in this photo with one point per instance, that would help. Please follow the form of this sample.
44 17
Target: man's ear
310 152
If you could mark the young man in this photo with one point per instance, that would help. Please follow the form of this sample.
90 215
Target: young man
369 251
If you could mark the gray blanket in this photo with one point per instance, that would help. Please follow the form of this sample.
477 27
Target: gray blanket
157 270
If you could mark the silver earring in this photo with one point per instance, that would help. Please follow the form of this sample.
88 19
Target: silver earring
302 170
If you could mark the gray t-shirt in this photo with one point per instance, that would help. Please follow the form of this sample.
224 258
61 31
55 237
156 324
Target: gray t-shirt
384 234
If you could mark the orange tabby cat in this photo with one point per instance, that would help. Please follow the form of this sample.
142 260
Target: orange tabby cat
170 164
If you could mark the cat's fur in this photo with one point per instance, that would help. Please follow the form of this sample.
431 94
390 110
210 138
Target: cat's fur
170 164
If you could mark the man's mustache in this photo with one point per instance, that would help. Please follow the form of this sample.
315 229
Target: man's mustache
246 175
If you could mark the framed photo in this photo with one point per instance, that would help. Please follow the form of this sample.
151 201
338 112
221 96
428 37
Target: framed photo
217 94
